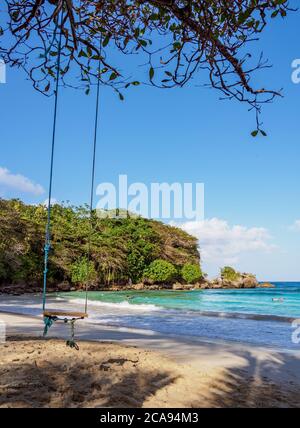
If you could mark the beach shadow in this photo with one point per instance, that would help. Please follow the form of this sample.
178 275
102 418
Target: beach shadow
271 380
29 386
260 383
39 387
76 381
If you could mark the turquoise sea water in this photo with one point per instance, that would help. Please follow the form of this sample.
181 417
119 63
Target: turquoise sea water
248 316
242 301
245 316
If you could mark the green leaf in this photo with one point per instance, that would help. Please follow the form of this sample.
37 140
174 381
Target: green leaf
282 13
82 53
89 51
15 15
244 16
254 133
143 42
176 45
51 72
151 73
154 17
113 76
263 133
106 40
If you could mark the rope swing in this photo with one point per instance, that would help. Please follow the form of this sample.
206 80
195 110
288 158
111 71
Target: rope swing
51 316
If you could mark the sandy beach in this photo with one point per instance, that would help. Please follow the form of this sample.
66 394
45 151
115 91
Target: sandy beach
121 367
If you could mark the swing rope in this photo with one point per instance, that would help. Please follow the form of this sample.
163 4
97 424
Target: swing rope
50 319
48 226
96 122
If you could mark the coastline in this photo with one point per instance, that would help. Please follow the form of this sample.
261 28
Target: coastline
95 332
219 370
210 314
247 281
155 312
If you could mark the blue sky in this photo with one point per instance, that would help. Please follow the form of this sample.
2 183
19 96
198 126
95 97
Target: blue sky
252 196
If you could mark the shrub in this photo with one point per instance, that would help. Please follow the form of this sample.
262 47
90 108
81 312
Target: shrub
191 273
161 271
140 254
229 274
83 271
28 269
4 270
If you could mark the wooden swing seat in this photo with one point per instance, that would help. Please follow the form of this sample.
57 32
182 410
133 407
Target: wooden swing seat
64 314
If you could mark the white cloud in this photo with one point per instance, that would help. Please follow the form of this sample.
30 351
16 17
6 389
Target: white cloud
296 226
19 182
53 201
222 244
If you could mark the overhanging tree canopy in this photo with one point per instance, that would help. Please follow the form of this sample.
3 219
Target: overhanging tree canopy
178 38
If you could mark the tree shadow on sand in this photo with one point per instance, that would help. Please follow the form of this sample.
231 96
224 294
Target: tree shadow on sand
113 382
98 377
259 383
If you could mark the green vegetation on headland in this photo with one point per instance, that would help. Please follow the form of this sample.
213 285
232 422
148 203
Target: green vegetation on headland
123 250
230 278
126 252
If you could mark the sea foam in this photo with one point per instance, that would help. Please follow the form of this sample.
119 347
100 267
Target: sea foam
121 305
